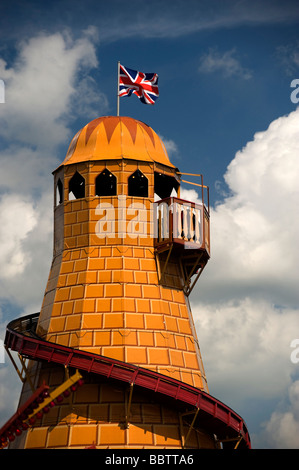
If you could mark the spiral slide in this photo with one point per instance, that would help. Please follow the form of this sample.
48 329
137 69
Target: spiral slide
229 427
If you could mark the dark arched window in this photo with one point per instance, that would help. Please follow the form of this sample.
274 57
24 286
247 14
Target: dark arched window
164 185
59 192
77 186
138 184
106 184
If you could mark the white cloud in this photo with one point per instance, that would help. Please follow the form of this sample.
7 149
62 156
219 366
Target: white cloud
246 347
47 85
190 195
226 63
246 302
170 145
44 86
254 231
18 219
282 430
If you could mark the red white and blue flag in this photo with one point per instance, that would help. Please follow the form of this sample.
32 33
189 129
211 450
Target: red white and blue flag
144 85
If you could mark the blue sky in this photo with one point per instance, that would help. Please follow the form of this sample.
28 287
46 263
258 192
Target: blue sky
225 69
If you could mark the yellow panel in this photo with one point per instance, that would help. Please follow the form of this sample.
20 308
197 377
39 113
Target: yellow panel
58 436
83 435
141 435
36 438
167 435
112 434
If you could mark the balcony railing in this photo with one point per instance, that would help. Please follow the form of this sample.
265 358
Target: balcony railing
182 223
182 232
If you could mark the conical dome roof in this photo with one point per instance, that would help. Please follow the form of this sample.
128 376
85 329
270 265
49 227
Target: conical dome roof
113 138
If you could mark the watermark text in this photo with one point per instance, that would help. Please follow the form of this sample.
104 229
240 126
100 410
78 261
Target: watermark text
177 218
295 93
295 353
2 91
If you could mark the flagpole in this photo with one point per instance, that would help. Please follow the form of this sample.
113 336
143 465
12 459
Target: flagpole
118 66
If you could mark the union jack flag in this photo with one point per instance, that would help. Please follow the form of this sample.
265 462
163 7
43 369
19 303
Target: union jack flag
144 85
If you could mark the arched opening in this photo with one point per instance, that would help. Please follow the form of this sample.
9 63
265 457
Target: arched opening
59 192
106 184
165 185
138 184
76 186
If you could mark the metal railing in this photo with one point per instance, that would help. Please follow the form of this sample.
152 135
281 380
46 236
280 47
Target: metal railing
182 222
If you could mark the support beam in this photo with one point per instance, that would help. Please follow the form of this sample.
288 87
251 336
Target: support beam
237 444
191 426
166 262
58 391
195 281
23 370
185 439
128 406
232 439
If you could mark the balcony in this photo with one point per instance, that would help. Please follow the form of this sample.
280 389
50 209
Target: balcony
182 232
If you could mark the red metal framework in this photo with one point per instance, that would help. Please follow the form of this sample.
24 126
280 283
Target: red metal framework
39 403
213 414
18 422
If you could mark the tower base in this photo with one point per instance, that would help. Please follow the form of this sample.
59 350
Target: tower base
120 405
104 414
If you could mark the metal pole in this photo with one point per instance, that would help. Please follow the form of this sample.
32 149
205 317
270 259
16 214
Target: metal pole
118 66
191 426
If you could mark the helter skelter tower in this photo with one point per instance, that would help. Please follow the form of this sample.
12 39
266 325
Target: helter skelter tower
113 360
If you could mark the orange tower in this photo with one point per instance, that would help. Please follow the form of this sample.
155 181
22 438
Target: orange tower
116 315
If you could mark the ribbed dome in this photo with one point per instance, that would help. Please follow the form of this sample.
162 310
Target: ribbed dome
111 137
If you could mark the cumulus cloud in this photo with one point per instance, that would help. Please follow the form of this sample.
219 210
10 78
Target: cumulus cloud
42 86
190 195
246 346
26 253
246 302
47 84
254 231
14 229
282 430
226 63
171 146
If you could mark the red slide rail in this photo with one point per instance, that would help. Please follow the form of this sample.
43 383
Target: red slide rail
18 422
219 418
